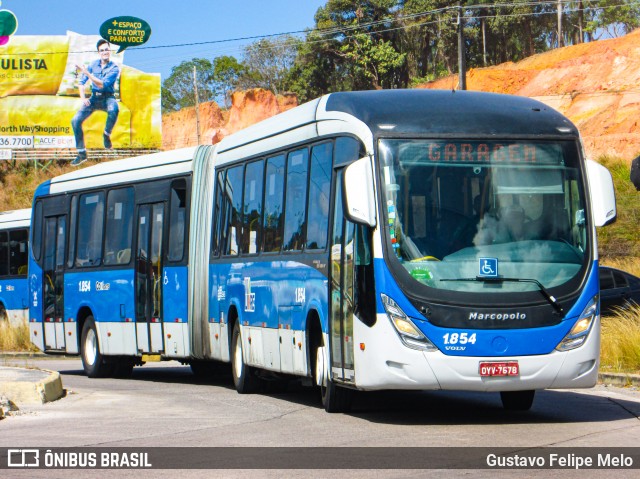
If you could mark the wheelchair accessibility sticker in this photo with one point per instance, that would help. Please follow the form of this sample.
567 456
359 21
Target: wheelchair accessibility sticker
488 268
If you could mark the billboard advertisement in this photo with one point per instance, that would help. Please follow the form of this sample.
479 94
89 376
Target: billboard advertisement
42 89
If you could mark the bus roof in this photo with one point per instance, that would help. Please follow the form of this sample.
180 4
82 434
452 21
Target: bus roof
420 112
15 218
155 165
446 112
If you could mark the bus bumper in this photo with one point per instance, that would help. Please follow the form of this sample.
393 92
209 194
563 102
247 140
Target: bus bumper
386 363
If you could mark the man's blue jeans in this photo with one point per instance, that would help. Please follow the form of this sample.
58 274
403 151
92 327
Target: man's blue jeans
108 104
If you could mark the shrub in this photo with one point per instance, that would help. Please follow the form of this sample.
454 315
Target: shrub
620 347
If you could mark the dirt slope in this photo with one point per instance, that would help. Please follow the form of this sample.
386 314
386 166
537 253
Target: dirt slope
247 107
597 85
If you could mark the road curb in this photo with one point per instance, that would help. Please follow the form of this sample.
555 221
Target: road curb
30 386
619 379
23 355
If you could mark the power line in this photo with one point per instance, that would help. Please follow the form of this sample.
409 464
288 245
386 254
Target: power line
358 26
325 34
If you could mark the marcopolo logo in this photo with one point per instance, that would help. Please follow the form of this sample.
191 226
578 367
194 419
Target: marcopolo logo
476 316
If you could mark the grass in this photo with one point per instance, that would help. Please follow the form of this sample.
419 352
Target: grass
18 183
620 347
630 265
621 239
15 338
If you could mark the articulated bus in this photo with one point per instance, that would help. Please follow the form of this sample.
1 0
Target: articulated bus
14 259
416 240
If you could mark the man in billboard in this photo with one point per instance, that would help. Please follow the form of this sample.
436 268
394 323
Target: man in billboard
103 74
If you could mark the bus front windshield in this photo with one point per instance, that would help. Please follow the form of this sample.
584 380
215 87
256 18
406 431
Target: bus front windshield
458 212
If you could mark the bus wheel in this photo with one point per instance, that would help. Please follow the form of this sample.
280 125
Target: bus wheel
334 397
94 363
517 400
244 378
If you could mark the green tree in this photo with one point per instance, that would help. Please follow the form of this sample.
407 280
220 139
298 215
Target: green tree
612 18
360 43
315 70
371 60
428 37
268 62
178 90
227 72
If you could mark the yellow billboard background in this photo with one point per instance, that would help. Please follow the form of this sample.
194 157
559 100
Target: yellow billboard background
39 96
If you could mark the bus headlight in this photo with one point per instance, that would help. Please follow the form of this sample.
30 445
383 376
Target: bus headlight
409 334
578 334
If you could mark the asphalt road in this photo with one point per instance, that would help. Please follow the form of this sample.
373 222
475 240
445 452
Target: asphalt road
163 404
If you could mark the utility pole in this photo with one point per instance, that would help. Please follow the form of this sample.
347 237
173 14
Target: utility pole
483 21
560 42
462 66
195 87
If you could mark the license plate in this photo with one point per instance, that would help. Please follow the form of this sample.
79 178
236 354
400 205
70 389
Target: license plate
490 369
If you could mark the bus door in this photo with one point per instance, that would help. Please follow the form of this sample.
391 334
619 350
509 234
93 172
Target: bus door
55 231
149 280
341 291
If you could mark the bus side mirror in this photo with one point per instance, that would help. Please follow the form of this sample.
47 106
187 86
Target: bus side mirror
360 203
603 197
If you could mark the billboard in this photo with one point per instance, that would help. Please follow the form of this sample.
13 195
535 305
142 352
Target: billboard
39 95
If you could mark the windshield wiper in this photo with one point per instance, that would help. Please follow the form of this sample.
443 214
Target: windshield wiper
548 296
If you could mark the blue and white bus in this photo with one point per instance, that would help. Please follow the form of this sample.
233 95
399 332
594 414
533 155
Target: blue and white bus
416 239
14 259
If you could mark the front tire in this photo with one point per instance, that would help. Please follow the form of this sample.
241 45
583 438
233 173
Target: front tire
517 400
334 398
244 378
94 363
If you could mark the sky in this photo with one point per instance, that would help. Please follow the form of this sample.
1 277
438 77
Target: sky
172 23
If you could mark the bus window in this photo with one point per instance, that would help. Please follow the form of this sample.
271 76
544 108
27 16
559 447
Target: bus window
233 203
18 252
177 220
119 231
296 200
217 220
273 202
348 150
252 207
319 194
4 253
36 232
72 232
90 227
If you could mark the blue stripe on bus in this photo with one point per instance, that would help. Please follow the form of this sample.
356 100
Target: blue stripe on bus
275 294
494 342
14 293
109 294
175 308
35 291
